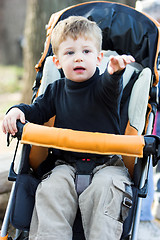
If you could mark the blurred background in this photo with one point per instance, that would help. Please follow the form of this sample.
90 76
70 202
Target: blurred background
22 37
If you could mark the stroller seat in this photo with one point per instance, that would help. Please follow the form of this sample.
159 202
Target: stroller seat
137 105
134 112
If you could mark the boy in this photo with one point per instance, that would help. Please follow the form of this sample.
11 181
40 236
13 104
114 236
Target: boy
84 101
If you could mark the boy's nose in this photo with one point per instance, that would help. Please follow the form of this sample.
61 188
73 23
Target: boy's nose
78 59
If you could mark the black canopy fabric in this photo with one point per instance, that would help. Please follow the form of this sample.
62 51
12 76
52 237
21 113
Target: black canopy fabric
125 30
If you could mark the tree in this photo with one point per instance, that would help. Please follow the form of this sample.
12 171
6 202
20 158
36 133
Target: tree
38 14
34 34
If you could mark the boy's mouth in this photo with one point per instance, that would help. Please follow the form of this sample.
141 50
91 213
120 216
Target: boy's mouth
79 69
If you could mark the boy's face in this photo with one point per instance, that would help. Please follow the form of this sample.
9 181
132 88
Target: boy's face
78 58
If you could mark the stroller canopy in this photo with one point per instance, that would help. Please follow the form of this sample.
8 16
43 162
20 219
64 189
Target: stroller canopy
125 31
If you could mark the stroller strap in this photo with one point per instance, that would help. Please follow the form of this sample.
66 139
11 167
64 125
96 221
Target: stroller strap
84 169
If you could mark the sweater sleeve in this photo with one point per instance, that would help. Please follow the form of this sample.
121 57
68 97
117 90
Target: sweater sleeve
42 109
113 82
112 85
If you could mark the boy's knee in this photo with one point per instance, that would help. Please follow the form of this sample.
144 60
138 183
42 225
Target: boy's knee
63 172
60 181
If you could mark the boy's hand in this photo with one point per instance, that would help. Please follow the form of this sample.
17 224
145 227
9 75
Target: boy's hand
9 122
118 63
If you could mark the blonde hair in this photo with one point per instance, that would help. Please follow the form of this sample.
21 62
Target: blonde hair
74 27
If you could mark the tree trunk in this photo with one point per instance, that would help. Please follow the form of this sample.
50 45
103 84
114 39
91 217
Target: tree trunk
38 13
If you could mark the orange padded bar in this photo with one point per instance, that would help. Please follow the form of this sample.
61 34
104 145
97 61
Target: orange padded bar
4 238
79 141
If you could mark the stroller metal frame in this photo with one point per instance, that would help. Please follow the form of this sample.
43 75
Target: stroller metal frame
142 182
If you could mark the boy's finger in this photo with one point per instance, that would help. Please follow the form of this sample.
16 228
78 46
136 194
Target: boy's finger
4 127
113 59
110 70
118 61
128 59
22 118
131 58
12 127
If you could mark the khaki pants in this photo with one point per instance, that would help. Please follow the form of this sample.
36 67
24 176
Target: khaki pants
100 204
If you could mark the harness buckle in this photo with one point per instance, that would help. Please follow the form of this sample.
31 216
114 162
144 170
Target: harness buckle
127 202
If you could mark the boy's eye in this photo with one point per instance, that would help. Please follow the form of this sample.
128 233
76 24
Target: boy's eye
86 51
69 53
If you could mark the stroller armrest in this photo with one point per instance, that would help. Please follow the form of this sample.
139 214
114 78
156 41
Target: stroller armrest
79 141
89 142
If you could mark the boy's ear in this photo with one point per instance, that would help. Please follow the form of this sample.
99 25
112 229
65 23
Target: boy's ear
99 58
56 61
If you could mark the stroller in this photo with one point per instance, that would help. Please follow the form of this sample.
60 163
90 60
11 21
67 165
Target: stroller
125 31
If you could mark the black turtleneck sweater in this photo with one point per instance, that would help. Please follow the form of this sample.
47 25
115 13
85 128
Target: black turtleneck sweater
92 105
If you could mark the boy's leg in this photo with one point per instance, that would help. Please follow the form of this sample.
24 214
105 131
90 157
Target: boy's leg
55 206
101 203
